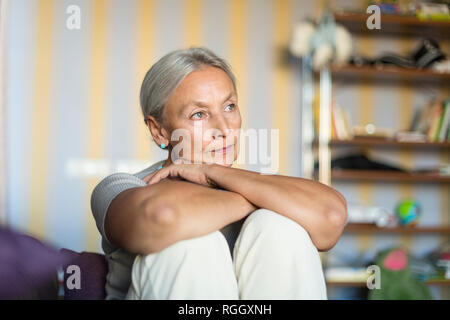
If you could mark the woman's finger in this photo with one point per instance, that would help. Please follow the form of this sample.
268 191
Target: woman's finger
148 177
154 179
161 174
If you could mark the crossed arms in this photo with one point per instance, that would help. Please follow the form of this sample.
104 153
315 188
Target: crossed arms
148 219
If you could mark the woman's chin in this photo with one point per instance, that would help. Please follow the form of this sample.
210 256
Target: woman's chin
222 163
207 160
225 161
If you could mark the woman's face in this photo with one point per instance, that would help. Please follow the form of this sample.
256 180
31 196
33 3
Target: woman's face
204 110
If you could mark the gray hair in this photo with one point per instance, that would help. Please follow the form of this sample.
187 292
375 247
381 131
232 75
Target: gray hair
167 73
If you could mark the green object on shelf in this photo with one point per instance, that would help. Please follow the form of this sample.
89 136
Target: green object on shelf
397 280
408 212
433 17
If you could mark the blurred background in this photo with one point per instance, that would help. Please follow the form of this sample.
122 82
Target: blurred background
360 101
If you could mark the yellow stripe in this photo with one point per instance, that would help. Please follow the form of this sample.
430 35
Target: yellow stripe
238 47
366 106
365 191
97 103
145 59
445 189
445 156
445 195
41 117
366 114
237 13
318 9
193 36
281 98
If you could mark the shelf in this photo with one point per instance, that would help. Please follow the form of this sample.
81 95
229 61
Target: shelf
380 142
391 24
386 176
388 73
368 228
359 284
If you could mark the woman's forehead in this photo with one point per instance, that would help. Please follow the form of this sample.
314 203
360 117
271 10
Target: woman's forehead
201 86
207 78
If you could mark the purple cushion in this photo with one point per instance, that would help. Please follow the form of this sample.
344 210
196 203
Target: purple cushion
26 264
93 269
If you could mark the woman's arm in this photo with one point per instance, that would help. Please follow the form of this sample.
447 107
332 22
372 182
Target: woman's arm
320 209
148 219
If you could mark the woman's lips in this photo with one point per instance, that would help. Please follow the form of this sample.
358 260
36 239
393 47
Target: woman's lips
224 150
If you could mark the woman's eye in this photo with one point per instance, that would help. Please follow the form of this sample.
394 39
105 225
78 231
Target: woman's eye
230 106
197 115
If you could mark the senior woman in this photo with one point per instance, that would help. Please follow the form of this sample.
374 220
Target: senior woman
165 229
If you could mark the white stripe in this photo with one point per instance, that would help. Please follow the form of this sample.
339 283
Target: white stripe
3 24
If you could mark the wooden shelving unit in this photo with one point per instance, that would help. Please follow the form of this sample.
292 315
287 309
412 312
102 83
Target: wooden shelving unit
387 73
386 176
395 25
359 284
389 143
391 26
366 228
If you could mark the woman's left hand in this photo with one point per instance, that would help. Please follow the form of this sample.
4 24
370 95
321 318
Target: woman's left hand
196 173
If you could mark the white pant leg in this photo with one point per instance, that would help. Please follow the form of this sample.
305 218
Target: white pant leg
274 258
198 268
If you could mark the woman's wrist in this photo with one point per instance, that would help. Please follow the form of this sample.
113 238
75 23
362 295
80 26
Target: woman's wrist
209 174
225 178
228 178
214 172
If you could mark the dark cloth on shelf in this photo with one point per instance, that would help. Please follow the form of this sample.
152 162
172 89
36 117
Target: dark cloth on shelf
360 162
425 54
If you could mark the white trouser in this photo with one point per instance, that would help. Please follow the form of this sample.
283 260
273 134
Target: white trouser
274 258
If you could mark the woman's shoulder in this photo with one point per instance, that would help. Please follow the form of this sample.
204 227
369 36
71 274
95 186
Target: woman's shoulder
148 170
120 181
128 178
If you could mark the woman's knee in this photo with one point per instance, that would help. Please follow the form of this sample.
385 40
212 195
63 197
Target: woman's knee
188 268
274 245
201 247
276 227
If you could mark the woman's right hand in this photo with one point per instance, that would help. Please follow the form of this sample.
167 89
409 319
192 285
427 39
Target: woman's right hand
196 173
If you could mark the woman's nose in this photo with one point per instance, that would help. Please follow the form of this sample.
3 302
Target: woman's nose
220 127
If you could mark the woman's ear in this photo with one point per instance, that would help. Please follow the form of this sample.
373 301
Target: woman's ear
157 131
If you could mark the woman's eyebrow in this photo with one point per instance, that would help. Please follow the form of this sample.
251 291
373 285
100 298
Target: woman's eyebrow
228 97
204 104
193 104
190 105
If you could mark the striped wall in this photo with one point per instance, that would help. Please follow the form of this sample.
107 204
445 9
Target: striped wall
73 112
